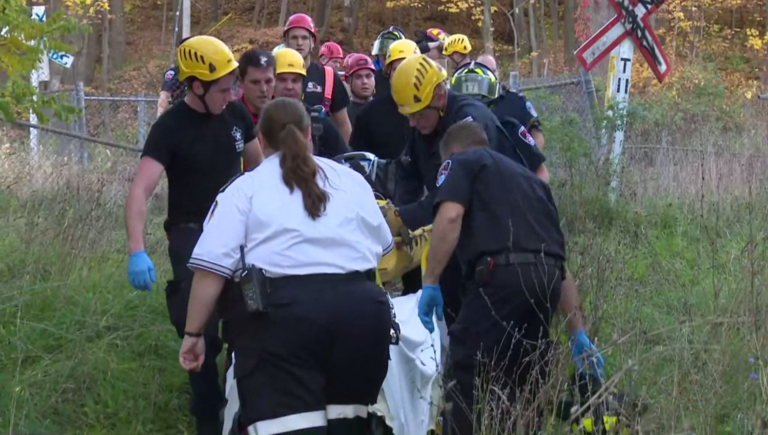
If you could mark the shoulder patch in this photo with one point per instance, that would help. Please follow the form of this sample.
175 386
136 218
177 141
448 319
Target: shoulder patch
443 172
468 118
524 135
531 110
229 183
170 74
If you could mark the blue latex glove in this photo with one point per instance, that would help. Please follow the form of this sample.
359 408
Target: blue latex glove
141 271
586 356
431 303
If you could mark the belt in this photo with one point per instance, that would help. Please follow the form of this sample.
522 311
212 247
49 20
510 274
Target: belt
484 267
521 258
369 275
195 226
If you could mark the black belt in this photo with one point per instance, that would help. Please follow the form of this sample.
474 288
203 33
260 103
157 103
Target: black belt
521 258
485 265
293 280
167 226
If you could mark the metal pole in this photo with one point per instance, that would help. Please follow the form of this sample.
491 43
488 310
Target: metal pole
141 115
187 12
590 95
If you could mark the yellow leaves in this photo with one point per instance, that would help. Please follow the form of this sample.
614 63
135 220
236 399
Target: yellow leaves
86 8
754 40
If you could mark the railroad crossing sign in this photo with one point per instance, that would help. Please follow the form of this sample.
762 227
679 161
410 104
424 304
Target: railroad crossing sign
631 18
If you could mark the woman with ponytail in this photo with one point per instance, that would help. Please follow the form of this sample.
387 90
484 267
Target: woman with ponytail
312 236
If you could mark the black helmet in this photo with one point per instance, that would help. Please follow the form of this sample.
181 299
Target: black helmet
379 173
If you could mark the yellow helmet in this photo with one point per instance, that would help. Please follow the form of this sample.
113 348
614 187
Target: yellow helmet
457 44
288 60
400 50
414 82
205 58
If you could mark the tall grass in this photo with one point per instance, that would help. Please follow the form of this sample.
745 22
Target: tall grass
672 277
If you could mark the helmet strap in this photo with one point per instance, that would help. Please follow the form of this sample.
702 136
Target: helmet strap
206 87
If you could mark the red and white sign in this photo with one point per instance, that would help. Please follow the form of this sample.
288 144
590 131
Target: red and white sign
632 18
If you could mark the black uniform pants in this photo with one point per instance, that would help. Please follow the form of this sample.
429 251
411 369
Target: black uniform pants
207 395
316 361
499 347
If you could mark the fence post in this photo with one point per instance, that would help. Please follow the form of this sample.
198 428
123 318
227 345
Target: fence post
81 125
514 80
590 94
141 114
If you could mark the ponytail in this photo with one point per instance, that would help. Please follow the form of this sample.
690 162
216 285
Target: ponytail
284 124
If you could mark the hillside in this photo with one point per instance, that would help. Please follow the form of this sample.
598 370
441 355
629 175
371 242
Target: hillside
729 35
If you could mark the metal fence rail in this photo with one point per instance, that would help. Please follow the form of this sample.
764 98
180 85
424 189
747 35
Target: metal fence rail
124 121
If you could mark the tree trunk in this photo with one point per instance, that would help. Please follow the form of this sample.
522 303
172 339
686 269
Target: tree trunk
283 14
356 5
554 11
324 8
349 11
258 9
215 16
104 50
487 27
535 55
519 15
116 35
569 33
543 33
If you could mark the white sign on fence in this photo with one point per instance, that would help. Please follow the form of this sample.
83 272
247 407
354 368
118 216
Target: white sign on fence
43 73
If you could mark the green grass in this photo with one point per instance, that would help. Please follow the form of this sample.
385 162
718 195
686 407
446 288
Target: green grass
673 289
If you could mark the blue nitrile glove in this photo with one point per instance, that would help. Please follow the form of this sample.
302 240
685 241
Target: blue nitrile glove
431 303
141 271
583 351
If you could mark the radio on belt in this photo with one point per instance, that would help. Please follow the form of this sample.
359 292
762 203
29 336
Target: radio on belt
254 285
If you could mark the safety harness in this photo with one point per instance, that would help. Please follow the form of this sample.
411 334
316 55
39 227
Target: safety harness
328 88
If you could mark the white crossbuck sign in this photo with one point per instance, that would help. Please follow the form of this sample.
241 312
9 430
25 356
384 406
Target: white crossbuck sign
632 18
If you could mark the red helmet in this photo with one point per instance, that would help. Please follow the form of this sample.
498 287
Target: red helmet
346 60
301 21
331 50
437 34
357 62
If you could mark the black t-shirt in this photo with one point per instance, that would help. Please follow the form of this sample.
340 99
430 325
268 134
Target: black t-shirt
507 207
383 87
200 153
514 105
353 110
314 89
173 86
380 129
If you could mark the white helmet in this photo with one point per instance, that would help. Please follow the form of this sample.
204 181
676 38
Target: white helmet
278 48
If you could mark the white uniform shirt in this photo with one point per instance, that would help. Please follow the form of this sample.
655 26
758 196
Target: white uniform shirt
257 210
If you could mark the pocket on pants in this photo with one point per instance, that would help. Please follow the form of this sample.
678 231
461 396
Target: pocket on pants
177 300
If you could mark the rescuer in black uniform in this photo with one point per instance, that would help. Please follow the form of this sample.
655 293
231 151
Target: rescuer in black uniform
431 109
289 74
481 80
321 86
173 90
383 131
379 52
502 224
198 144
